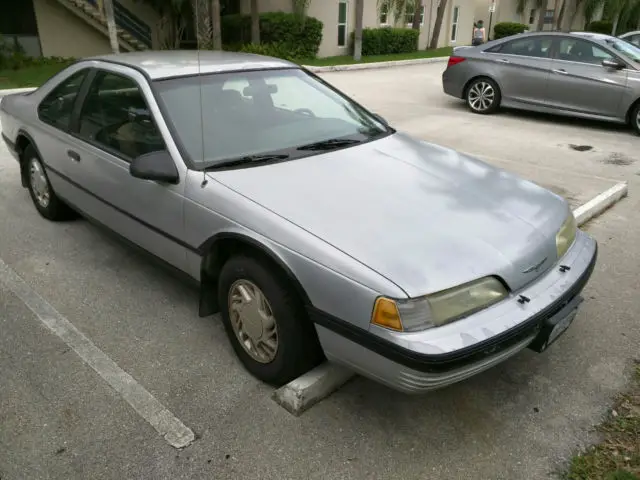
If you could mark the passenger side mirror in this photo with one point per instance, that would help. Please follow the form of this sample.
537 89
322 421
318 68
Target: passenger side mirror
157 166
615 64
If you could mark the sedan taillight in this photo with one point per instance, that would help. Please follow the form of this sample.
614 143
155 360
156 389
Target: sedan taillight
454 61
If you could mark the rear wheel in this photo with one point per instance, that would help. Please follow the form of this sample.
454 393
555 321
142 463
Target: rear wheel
635 118
266 322
42 194
483 96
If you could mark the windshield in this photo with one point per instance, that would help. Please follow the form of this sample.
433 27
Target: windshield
625 48
260 112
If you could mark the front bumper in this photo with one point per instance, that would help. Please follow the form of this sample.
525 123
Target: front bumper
422 361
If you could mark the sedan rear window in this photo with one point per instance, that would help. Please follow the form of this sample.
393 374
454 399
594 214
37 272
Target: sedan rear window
238 114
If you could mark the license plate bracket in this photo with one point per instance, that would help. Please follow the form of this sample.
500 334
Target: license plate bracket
553 327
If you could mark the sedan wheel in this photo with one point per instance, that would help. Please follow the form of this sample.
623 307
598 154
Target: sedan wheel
266 321
43 196
483 96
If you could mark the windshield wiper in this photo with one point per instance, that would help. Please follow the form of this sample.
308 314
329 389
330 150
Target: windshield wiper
247 160
330 144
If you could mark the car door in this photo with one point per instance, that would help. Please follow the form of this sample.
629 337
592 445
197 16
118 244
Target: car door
112 126
580 83
522 68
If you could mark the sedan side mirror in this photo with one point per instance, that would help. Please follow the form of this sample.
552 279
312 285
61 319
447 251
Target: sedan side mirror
156 166
615 64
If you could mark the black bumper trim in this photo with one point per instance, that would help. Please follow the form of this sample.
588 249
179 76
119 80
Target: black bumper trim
440 363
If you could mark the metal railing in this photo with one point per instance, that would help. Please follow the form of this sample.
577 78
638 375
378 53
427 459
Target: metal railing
128 22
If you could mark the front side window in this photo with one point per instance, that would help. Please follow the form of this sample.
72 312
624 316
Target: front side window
529 47
342 24
454 24
57 107
224 116
115 115
582 51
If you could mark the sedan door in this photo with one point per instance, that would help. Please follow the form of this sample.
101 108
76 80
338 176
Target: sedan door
114 126
522 68
580 83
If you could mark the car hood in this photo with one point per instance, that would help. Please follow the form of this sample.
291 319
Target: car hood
425 217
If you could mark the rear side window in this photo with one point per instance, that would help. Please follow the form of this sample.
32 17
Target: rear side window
57 107
539 47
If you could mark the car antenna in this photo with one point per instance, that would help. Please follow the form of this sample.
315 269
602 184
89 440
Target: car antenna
204 173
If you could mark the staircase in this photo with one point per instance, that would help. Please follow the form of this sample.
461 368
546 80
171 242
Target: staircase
133 33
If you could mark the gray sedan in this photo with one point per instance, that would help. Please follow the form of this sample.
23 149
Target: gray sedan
631 37
314 228
585 75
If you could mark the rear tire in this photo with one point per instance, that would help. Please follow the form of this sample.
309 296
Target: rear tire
634 118
266 322
483 96
44 198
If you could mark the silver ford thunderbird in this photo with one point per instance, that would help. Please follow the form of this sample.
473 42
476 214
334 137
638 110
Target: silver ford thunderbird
314 228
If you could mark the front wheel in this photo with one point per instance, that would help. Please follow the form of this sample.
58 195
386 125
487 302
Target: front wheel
265 321
483 96
635 118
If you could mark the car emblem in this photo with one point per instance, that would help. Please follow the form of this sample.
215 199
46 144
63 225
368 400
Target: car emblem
534 268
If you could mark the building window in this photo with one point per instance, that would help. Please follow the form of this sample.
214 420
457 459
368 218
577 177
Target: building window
384 14
454 24
532 16
409 15
342 23
548 16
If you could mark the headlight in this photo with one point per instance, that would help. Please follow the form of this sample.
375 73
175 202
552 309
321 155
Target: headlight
566 235
439 308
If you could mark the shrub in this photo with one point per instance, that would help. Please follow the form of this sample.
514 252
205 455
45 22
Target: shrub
279 50
506 29
600 26
384 40
300 36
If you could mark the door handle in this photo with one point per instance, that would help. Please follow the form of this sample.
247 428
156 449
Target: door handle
560 70
73 155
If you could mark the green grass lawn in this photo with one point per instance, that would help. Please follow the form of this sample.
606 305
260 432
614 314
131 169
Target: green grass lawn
617 457
32 76
348 60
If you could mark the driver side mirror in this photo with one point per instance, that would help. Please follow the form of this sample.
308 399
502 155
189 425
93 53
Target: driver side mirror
156 166
615 64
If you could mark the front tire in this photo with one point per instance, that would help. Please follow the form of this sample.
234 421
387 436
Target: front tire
483 96
266 322
42 194
635 118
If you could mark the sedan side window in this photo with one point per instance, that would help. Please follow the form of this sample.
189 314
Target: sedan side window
528 47
115 115
56 107
635 39
578 50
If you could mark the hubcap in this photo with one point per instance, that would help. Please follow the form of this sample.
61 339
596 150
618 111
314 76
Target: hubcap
253 321
39 184
481 96
638 119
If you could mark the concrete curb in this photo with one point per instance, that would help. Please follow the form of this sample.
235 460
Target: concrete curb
11 91
305 391
600 203
376 65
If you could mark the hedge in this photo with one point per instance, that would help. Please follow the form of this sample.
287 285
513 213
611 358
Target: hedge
385 40
600 26
278 50
506 29
299 36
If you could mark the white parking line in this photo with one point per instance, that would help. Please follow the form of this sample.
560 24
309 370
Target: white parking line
167 425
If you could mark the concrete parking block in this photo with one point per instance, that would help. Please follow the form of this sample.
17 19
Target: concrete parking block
599 204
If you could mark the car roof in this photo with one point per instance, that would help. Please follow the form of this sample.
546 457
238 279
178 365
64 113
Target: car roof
179 63
628 34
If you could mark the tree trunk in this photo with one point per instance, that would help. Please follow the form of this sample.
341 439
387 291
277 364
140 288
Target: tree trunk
541 15
556 14
561 15
615 25
442 6
357 44
111 26
255 22
202 23
416 16
216 26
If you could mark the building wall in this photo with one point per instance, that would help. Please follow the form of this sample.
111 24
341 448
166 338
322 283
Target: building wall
64 34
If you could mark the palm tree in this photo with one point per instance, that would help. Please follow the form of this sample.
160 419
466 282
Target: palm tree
216 26
357 44
255 22
442 6
111 25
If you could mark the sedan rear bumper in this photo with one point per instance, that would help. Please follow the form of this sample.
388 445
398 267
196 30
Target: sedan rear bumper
404 362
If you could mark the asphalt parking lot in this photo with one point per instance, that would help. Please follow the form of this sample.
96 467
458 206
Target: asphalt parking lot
521 420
